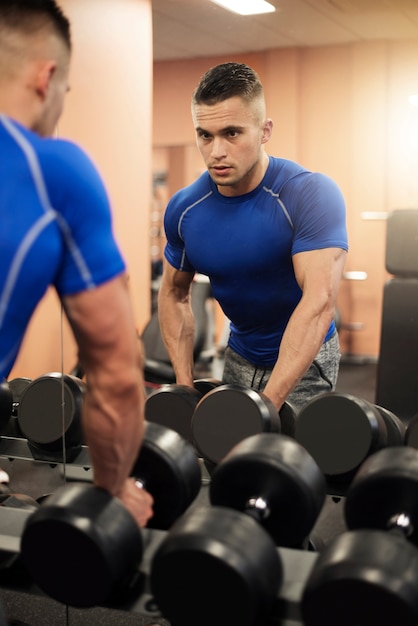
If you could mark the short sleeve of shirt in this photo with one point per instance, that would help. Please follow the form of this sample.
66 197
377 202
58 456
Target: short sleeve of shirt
320 218
174 250
91 255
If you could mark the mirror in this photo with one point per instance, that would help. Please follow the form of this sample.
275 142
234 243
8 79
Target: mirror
340 105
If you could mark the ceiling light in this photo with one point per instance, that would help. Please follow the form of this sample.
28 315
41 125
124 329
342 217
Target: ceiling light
246 7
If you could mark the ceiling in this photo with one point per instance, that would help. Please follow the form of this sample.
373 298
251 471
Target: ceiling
185 29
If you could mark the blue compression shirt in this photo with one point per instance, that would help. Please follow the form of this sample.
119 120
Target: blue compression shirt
55 228
245 244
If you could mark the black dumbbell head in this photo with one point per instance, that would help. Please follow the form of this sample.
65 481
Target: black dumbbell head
395 428
216 566
6 403
411 436
18 386
173 406
50 409
275 470
79 544
288 416
363 578
227 415
340 431
169 469
385 487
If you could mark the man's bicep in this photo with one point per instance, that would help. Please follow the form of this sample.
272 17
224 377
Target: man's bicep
176 281
319 270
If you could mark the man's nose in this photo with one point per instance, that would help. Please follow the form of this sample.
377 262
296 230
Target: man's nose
218 147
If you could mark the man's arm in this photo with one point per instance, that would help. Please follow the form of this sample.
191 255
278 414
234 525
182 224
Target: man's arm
318 274
113 408
177 321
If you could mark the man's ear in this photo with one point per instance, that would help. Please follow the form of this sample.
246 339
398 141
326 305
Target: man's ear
267 130
44 76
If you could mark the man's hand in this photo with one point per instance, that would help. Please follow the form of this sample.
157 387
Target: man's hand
138 501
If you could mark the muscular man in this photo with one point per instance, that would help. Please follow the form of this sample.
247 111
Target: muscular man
56 229
271 237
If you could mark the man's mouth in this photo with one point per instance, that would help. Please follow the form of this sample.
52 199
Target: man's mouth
221 169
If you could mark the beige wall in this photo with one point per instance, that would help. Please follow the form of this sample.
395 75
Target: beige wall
342 110
108 112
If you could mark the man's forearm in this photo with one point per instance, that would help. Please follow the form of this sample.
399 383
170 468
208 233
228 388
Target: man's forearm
301 343
177 329
113 425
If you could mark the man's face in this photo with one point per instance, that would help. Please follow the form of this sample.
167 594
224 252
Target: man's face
230 135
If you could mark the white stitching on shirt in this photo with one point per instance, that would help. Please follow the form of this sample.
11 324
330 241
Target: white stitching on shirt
277 196
188 209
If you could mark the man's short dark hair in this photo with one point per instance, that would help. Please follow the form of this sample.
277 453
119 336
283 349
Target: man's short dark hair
225 81
29 16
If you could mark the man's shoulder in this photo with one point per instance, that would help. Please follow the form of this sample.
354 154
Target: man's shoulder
60 163
29 140
293 175
195 192
285 169
64 152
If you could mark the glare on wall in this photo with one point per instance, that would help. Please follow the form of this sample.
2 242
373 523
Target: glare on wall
413 99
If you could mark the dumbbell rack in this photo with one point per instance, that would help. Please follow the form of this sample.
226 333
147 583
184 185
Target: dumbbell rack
297 564
18 448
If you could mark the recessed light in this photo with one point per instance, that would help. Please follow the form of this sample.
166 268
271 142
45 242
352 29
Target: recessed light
246 7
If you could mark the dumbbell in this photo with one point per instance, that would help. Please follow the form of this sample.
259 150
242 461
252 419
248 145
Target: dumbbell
220 564
173 405
230 413
6 403
369 575
18 386
411 435
341 431
50 416
10 395
82 546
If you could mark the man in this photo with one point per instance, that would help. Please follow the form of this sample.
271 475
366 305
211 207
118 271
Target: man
55 229
270 235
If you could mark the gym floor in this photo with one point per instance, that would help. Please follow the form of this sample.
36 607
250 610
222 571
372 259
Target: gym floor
355 378
358 379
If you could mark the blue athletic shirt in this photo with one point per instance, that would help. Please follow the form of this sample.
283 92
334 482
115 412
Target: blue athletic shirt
245 244
55 228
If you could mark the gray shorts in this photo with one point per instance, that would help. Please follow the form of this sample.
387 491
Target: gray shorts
320 377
